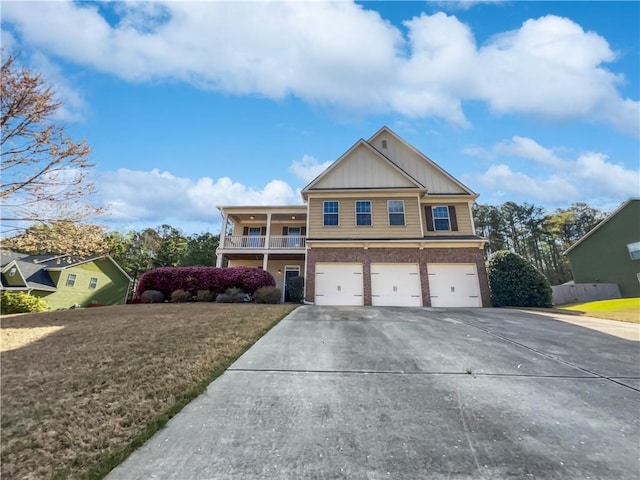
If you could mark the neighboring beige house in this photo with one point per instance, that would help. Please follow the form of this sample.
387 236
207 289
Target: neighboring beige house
382 225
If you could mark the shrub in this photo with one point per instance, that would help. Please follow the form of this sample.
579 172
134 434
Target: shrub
180 296
20 302
295 287
233 295
204 296
152 296
216 280
267 295
515 282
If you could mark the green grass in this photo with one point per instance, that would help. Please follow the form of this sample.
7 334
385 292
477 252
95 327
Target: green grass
621 309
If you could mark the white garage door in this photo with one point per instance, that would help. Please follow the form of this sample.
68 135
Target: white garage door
339 284
396 284
454 285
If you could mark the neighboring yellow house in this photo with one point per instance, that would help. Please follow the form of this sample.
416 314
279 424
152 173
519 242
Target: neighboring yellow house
382 225
65 281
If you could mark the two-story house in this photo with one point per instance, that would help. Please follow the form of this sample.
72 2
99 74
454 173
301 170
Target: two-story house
382 225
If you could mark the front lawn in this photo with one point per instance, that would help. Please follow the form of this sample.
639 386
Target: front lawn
622 309
81 389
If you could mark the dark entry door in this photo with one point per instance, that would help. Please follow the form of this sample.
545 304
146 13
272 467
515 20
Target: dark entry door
287 275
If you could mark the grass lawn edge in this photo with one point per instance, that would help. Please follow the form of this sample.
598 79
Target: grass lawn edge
114 459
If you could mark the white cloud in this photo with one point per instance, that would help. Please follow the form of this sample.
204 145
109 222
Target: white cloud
161 197
529 149
308 168
588 177
500 179
341 54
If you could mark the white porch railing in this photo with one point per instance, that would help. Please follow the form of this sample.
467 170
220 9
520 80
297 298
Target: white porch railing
275 242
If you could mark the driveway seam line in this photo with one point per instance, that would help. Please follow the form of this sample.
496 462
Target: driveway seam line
548 355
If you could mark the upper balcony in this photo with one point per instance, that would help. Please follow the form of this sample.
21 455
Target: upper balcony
262 229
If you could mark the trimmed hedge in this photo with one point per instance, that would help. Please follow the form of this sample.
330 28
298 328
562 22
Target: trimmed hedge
216 280
20 302
267 295
515 282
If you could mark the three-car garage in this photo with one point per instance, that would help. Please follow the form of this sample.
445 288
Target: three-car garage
397 284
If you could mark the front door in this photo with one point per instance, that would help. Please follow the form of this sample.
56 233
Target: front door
289 272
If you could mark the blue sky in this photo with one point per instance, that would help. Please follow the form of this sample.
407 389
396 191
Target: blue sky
189 105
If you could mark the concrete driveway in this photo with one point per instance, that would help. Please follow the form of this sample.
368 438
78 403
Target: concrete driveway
397 393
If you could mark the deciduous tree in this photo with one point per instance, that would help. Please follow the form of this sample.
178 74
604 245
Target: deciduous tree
44 173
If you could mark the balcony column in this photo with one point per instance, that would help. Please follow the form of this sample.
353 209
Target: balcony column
265 261
223 239
267 240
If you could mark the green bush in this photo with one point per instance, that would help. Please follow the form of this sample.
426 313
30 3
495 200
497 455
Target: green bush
295 287
515 282
233 295
152 296
267 295
20 302
204 296
180 296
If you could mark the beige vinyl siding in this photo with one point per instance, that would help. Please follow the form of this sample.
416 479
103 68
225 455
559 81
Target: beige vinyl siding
463 215
380 219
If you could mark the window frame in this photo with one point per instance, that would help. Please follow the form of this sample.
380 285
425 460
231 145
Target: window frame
325 213
403 213
369 213
634 250
71 282
435 218
93 285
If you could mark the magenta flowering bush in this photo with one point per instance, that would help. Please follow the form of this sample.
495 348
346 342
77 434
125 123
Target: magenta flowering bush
216 280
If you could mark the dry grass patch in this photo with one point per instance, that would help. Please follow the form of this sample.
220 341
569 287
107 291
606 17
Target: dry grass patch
97 383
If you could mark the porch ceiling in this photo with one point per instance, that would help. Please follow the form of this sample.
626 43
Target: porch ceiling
272 256
262 217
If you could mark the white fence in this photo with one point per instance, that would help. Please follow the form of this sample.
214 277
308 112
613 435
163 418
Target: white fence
584 292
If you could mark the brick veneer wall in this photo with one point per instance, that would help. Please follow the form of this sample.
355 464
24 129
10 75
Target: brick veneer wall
396 255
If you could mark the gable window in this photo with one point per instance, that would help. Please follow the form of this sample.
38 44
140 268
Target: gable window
363 213
634 250
441 218
71 280
12 271
396 212
331 212
93 283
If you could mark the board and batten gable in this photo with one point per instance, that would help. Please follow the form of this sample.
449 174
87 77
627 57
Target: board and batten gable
416 164
363 167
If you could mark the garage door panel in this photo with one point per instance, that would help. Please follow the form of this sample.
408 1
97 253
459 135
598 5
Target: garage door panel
396 285
339 284
454 285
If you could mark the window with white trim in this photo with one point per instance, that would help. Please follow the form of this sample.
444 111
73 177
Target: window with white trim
363 213
93 283
396 212
634 250
71 280
331 213
441 218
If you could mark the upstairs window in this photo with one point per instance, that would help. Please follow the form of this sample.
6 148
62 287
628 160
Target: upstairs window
331 213
363 213
71 280
441 218
93 283
634 250
396 212
12 271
